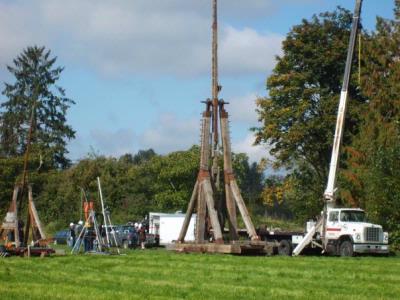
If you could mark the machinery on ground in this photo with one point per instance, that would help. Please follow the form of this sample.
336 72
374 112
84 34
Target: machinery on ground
22 238
92 236
216 196
166 227
338 231
343 231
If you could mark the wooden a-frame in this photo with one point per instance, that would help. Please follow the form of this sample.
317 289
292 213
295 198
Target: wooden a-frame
12 224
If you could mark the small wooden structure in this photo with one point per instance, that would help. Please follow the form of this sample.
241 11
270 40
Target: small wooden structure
206 200
12 231
30 240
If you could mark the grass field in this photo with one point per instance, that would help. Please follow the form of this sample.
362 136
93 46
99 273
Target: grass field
158 274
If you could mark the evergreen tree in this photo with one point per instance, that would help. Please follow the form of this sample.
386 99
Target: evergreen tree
35 91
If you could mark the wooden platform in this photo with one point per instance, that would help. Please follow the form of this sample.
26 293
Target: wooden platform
236 247
33 251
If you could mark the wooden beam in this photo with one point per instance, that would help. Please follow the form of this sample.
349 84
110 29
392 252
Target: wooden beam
35 215
228 175
205 248
189 213
201 215
15 207
243 210
208 193
231 208
205 142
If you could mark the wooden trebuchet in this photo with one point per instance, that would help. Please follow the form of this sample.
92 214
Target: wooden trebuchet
205 199
10 223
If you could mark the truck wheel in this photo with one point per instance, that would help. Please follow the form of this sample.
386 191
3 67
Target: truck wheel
284 248
346 249
125 244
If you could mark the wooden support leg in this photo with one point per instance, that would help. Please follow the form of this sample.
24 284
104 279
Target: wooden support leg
212 212
189 213
228 175
14 207
243 211
35 216
201 215
231 208
27 228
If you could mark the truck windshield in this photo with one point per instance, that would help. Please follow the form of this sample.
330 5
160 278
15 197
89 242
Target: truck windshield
352 216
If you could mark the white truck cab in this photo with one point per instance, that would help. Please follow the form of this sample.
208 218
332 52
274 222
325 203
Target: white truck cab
347 231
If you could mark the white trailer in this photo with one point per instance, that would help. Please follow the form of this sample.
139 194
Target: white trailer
170 227
166 227
154 222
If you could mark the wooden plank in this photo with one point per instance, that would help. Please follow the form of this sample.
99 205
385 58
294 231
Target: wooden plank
231 209
35 216
208 192
201 215
189 212
205 248
205 142
238 247
228 171
14 208
226 142
243 210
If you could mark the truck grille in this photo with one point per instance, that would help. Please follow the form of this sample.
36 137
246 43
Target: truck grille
373 234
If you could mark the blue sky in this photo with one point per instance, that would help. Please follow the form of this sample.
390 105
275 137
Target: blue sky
138 69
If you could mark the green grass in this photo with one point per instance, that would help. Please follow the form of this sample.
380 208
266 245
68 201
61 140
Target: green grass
158 274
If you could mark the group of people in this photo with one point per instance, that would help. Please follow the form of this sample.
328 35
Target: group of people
89 237
75 234
141 232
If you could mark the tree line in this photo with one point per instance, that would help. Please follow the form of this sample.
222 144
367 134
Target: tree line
132 185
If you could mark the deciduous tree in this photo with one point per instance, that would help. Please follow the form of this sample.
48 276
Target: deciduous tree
299 115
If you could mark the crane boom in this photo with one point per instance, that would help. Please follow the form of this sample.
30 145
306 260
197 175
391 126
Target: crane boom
331 185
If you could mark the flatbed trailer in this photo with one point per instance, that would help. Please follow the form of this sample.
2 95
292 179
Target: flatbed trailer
282 242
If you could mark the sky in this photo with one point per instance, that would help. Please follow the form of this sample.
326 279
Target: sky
139 69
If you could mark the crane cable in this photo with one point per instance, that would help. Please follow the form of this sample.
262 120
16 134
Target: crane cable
359 58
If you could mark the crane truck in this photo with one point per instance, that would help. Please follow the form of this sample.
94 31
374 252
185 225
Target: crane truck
343 231
337 231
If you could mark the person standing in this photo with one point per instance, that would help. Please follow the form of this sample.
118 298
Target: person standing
72 234
142 236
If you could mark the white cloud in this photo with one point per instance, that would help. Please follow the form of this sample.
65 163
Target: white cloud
138 37
113 143
248 51
255 153
243 109
171 133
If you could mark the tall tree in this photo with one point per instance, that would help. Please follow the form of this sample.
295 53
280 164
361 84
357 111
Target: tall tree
35 91
373 176
299 115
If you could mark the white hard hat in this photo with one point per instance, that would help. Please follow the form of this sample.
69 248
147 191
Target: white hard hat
71 224
80 222
136 225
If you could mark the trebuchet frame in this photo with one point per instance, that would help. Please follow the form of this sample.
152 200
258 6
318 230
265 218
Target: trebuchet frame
204 194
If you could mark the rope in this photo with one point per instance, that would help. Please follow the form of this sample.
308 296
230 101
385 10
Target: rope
359 58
